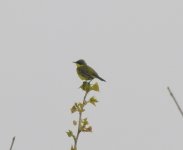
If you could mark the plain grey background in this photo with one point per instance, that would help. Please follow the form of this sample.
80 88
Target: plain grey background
136 45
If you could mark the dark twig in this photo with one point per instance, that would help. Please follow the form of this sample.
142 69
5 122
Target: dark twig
13 140
177 104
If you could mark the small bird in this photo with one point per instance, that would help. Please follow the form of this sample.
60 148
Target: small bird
85 72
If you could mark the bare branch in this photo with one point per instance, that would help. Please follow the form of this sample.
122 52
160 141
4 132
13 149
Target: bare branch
177 104
13 140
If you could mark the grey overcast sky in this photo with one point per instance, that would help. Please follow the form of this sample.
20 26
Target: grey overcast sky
136 45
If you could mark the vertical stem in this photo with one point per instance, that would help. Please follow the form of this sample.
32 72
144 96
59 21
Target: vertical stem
79 123
177 104
13 140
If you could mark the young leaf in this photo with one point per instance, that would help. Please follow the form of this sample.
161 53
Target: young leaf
93 101
85 86
69 133
74 108
89 129
95 87
80 107
72 148
85 122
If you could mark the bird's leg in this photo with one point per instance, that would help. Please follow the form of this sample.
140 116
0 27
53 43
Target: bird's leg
90 81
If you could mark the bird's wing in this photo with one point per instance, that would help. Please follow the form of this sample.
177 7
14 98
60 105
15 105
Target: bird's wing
85 71
93 72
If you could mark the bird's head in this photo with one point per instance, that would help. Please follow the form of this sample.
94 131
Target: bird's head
80 62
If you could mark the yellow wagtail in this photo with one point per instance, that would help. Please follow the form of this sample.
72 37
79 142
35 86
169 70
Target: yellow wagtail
85 72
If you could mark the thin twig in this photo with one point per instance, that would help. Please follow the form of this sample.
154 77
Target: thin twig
177 104
79 123
13 140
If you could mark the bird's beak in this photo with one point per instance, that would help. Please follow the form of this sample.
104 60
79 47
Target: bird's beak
74 62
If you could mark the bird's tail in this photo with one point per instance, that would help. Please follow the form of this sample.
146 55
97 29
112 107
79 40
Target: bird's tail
101 79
